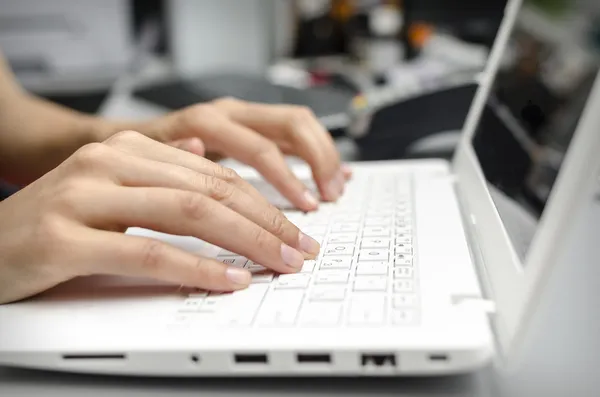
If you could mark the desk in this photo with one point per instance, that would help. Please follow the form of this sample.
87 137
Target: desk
565 361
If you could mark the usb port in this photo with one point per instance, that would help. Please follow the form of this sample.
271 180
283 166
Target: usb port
378 360
251 358
314 358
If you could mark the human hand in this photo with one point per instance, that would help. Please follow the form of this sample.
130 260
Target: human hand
70 222
259 135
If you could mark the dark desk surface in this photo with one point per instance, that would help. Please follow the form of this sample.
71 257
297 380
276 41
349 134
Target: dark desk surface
36 383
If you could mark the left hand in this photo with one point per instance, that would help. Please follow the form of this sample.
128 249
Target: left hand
259 135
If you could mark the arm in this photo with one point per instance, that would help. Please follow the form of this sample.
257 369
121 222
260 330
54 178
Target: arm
36 135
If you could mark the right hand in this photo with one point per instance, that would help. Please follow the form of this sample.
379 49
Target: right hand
71 221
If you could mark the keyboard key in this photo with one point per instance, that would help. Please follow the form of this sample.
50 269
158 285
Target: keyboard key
403 248
260 278
403 286
234 261
376 231
403 239
367 310
280 308
198 293
373 255
254 268
403 230
404 300
347 217
365 283
225 252
293 281
321 314
308 266
344 227
379 212
242 305
336 263
372 268
314 229
328 293
339 249
378 221
375 243
192 305
342 238
403 272
403 317
332 277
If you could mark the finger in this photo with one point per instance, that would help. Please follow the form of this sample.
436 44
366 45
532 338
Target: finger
191 214
138 172
132 256
346 171
142 146
192 145
259 152
301 129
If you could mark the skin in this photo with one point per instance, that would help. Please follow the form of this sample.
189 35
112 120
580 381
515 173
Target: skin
86 180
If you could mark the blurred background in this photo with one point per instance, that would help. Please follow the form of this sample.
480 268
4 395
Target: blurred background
372 70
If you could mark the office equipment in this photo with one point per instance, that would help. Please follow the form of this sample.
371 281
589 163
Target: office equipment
66 45
323 100
446 216
226 35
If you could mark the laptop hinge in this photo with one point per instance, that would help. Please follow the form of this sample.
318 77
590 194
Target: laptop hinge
487 303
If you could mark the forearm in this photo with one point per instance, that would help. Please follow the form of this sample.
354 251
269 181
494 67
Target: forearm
37 135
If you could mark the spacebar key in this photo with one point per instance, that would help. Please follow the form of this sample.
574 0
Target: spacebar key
280 308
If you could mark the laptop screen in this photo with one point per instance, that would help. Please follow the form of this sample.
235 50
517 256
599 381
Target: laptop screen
533 109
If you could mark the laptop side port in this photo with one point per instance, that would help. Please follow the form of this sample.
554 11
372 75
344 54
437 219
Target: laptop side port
251 359
320 358
378 360
439 357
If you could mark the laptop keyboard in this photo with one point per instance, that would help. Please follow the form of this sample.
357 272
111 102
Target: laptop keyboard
365 275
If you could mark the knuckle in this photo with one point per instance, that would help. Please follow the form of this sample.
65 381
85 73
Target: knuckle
152 255
92 154
50 235
277 224
266 151
261 237
219 190
225 101
123 137
192 205
302 114
228 175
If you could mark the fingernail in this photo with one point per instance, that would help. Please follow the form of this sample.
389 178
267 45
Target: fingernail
291 257
238 276
310 199
333 190
341 182
346 170
308 244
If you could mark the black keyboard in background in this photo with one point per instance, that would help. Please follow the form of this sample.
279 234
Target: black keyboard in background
324 101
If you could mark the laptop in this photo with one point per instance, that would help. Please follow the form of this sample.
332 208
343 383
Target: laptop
427 267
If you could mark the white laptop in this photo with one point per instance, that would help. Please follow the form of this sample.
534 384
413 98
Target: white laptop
426 268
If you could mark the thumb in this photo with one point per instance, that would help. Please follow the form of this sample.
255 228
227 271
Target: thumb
192 145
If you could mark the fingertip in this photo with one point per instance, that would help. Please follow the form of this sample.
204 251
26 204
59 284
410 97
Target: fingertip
310 201
292 257
308 244
346 171
197 147
239 278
